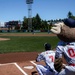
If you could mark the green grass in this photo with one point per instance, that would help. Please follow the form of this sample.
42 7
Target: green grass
26 43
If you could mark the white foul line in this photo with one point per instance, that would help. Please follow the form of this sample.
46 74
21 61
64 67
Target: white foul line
20 69
6 64
33 63
16 66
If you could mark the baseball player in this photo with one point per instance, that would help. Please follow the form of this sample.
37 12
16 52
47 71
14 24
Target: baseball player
48 56
68 51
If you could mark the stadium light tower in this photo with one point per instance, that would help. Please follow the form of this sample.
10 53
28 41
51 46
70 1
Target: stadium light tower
29 3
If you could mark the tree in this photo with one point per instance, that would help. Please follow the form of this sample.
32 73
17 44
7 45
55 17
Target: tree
25 23
42 25
70 14
38 21
34 27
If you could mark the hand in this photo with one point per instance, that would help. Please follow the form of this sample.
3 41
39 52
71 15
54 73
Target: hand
63 66
56 29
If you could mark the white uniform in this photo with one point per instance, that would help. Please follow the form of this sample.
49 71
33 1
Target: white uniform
48 57
69 53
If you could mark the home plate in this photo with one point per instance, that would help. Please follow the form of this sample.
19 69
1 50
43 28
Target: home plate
28 67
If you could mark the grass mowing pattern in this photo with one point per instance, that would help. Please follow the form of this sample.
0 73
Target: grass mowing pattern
26 43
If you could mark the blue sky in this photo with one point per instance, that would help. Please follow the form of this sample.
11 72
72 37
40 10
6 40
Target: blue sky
47 9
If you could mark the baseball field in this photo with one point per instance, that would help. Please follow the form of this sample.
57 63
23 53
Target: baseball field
25 42
18 51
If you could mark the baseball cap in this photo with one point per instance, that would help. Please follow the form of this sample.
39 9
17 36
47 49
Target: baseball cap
69 22
47 46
